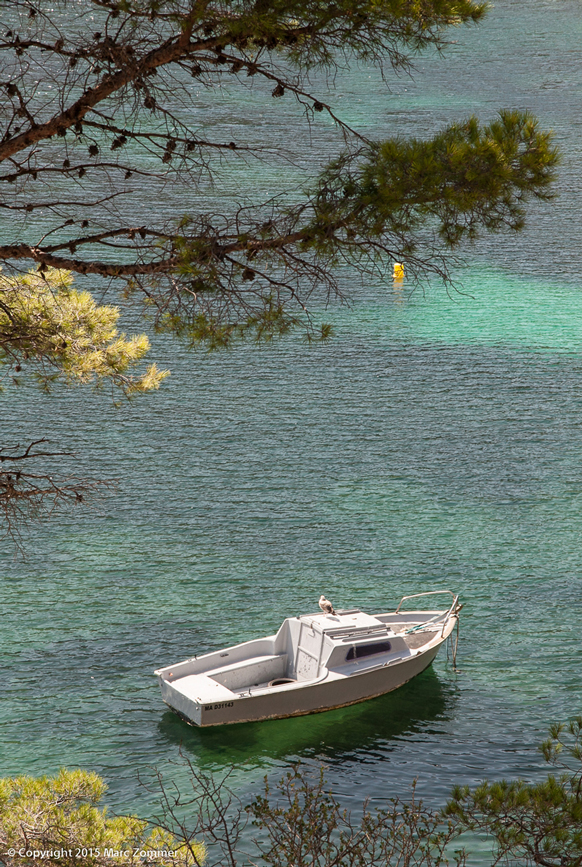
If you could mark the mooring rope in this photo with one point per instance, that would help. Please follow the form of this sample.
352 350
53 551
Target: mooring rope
454 643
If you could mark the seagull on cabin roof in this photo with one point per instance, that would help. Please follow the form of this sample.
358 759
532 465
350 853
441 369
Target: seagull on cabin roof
325 605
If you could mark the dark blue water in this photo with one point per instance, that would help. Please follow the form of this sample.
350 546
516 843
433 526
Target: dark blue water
436 442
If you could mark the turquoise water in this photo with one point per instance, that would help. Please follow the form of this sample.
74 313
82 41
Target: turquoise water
435 442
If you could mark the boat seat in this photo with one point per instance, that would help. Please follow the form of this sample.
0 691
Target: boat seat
248 672
198 687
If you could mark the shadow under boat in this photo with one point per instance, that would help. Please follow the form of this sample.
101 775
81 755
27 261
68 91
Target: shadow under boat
333 735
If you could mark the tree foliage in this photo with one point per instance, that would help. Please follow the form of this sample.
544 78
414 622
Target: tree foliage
60 822
303 825
55 331
531 823
299 822
104 98
100 110
51 331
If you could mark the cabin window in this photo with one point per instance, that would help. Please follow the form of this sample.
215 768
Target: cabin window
362 650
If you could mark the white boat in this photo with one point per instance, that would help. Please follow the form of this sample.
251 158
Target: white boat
314 663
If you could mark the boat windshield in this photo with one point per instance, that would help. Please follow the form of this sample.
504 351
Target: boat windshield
359 651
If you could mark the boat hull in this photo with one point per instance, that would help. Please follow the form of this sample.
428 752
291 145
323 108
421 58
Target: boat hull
299 699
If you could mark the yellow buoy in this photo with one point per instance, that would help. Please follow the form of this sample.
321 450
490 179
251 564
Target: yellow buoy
398 271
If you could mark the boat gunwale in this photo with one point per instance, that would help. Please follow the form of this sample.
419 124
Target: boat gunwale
328 674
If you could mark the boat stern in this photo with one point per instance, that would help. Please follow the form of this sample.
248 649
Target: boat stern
188 708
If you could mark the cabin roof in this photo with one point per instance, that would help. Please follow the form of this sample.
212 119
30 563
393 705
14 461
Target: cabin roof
346 625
